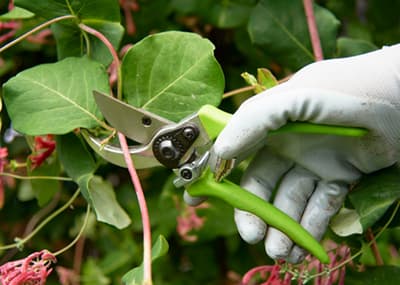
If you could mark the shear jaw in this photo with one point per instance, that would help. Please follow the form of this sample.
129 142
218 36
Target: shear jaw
172 146
142 156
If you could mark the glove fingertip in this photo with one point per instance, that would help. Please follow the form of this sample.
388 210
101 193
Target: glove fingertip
193 201
297 255
251 228
277 245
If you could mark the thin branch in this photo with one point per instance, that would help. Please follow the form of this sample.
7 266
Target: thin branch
313 30
113 52
36 29
374 247
42 224
238 91
85 222
147 280
16 176
246 89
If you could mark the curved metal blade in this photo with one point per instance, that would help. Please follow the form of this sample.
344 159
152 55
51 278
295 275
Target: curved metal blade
142 156
135 123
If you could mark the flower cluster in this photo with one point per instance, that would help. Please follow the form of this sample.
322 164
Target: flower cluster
188 221
311 269
43 148
33 269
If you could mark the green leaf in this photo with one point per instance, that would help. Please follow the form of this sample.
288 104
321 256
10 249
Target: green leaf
249 78
387 275
172 74
74 156
16 13
346 222
186 6
102 15
280 28
92 274
104 202
55 98
83 9
113 31
384 21
70 40
375 194
350 47
265 78
135 276
80 166
229 13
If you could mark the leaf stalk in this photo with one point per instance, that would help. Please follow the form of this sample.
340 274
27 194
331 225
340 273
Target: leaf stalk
34 30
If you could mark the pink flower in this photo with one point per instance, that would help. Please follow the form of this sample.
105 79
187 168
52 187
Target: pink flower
3 163
270 273
188 221
33 269
43 148
283 273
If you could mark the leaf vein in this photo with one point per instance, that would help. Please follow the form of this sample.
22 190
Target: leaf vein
289 34
174 81
73 103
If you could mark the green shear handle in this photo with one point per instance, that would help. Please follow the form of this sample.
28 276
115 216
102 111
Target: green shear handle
214 120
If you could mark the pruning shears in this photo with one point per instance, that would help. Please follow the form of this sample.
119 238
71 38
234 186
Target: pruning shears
185 148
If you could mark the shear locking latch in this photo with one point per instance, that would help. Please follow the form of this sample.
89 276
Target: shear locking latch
191 171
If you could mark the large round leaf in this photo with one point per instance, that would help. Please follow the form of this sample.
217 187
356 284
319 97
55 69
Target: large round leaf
172 74
280 28
56 98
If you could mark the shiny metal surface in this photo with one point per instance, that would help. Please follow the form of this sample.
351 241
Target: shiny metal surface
135 123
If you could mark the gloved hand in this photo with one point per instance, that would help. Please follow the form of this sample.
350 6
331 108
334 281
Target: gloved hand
312 173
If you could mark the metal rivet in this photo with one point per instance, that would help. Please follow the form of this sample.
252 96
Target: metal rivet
189 133
186 174
146 121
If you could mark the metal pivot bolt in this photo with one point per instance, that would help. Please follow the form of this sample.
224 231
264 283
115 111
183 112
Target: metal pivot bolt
168 150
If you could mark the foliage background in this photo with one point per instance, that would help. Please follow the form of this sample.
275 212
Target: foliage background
248 34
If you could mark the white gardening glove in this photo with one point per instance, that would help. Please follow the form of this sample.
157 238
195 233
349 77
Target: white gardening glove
313 172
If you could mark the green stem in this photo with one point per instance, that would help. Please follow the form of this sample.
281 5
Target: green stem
85 222
42 224
35 177
246 201
36 29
